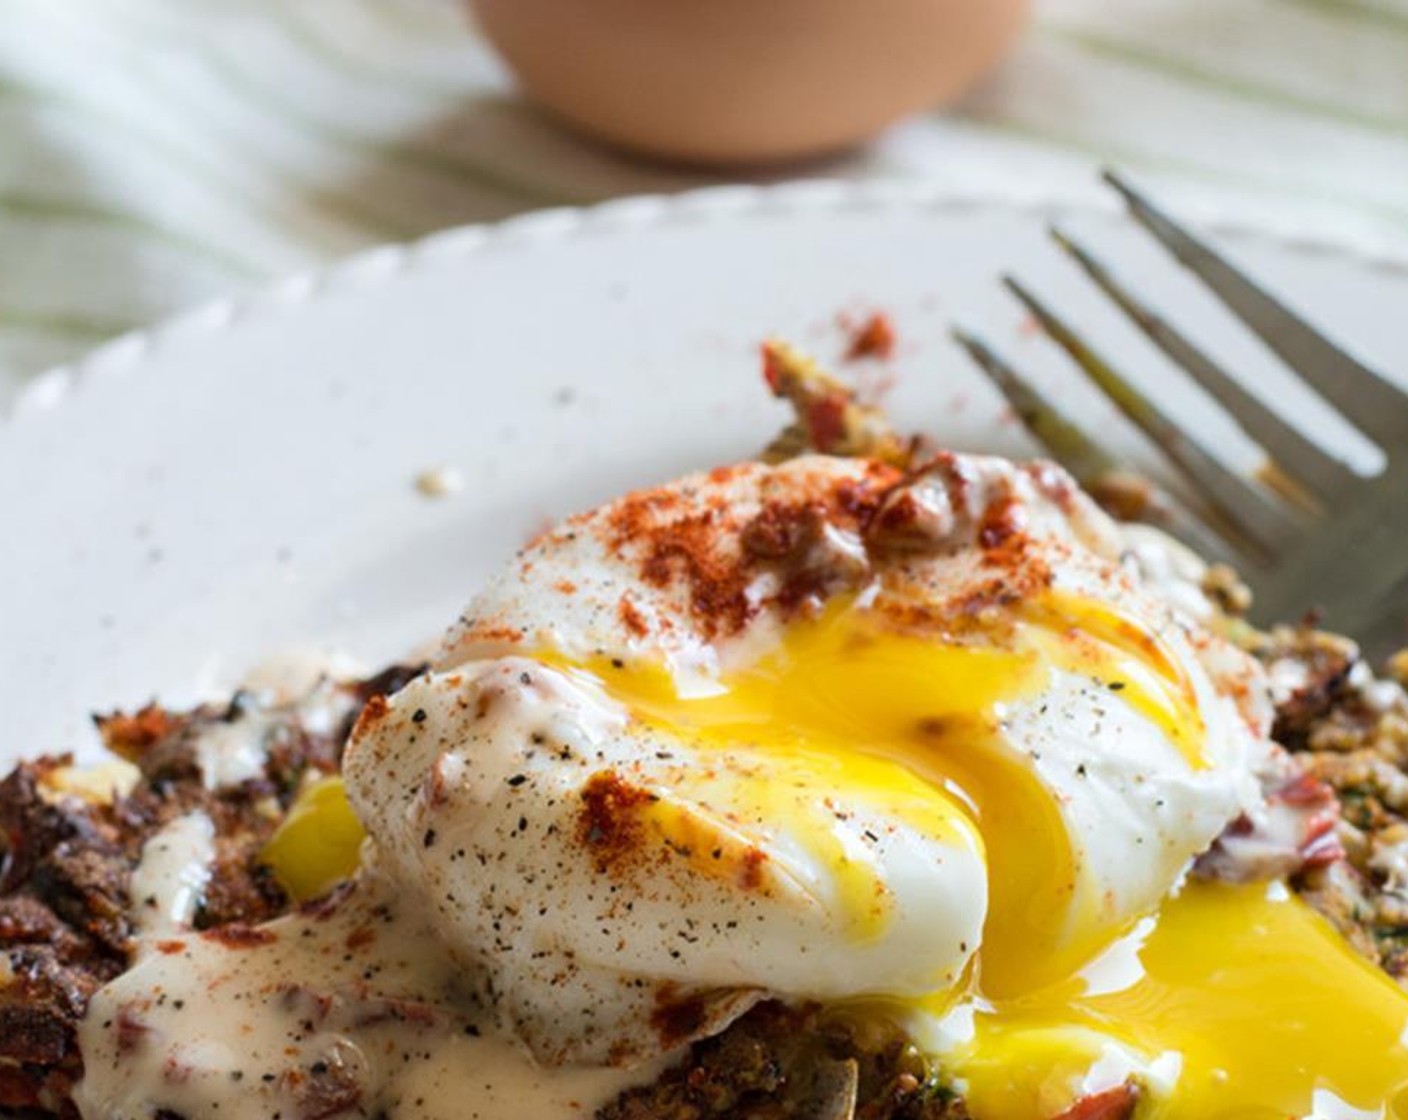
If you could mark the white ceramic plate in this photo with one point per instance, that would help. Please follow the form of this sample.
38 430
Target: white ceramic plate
240 483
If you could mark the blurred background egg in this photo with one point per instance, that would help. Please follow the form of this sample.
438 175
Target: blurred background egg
745 81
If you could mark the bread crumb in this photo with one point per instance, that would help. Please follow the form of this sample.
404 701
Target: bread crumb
439 482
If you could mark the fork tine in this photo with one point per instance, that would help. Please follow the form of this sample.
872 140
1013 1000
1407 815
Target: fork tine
1291 453
1087 461
1271 526
1067 443
1377 407
1365 595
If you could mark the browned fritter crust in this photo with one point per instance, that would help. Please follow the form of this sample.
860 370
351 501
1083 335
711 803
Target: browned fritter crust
788 1063
66 862
1350 730
62 932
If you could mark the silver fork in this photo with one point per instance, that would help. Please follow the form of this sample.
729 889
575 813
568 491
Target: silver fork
1306 532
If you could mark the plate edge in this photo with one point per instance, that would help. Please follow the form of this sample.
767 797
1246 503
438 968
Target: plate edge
127 352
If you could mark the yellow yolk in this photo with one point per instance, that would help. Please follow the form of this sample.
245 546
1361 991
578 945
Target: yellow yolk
1258 1008
912 722
317 844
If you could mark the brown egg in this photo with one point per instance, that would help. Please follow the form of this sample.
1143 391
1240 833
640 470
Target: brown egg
745 81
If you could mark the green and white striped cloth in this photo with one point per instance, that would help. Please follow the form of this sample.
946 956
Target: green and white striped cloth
157 153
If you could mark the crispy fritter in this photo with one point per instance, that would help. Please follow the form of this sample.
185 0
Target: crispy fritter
781 1063
67 852
1349 729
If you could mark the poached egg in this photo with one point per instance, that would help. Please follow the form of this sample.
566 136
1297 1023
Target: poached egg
929 744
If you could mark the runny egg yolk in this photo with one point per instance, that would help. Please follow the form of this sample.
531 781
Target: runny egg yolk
317 844
912 722
1240 1000
1243 1001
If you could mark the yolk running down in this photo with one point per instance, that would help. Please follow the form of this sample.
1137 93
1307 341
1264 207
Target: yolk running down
1242 1001
911 721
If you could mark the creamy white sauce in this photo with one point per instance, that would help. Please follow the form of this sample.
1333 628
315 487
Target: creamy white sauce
171 876
357 1004
236 750
297 674
232 752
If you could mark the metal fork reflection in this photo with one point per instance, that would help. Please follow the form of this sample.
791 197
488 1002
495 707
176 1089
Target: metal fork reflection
1306 531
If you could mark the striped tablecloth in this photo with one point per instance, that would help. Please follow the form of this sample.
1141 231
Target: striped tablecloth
157 153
